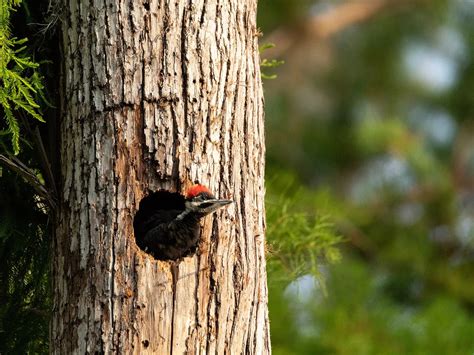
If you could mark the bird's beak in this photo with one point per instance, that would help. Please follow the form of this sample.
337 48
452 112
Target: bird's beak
223 202
214 204
219 203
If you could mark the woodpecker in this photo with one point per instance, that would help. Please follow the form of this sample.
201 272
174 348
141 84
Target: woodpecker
167 224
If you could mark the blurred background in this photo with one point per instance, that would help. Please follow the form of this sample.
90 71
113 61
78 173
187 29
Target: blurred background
370 175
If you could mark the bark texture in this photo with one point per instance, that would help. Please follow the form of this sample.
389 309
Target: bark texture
159 94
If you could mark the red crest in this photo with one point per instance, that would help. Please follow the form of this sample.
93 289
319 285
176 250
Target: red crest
195 190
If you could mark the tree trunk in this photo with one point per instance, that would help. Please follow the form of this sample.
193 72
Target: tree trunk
158 95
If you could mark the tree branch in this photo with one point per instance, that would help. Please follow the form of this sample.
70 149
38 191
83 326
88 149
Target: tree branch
41 152
328 23
45 161
26 173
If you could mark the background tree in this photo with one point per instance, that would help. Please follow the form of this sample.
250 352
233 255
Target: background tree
159 95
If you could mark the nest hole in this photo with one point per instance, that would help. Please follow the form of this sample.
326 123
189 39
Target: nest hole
151 222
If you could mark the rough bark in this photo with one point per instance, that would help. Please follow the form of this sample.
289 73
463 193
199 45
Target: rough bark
159 94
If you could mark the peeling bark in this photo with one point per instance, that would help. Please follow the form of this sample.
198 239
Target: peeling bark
159 94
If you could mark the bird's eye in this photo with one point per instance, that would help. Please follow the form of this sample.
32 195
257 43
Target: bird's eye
203 196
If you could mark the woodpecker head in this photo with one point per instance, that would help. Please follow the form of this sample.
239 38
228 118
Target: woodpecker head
201 201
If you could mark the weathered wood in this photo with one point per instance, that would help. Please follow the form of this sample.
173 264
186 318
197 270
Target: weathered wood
159 94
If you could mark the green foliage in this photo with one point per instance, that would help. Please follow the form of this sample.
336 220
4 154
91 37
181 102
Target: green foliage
360 312
24 270
381 141
302 243
300 237
20 82
269 63
25 302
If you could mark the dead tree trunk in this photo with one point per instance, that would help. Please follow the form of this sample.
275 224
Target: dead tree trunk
159 94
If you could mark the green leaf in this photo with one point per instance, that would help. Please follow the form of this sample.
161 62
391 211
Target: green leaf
20 79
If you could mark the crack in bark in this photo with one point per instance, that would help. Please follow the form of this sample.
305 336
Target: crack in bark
174 269
196 293
142 101
212 322
115 212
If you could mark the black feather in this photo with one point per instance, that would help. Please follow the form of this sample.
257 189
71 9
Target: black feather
159 233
